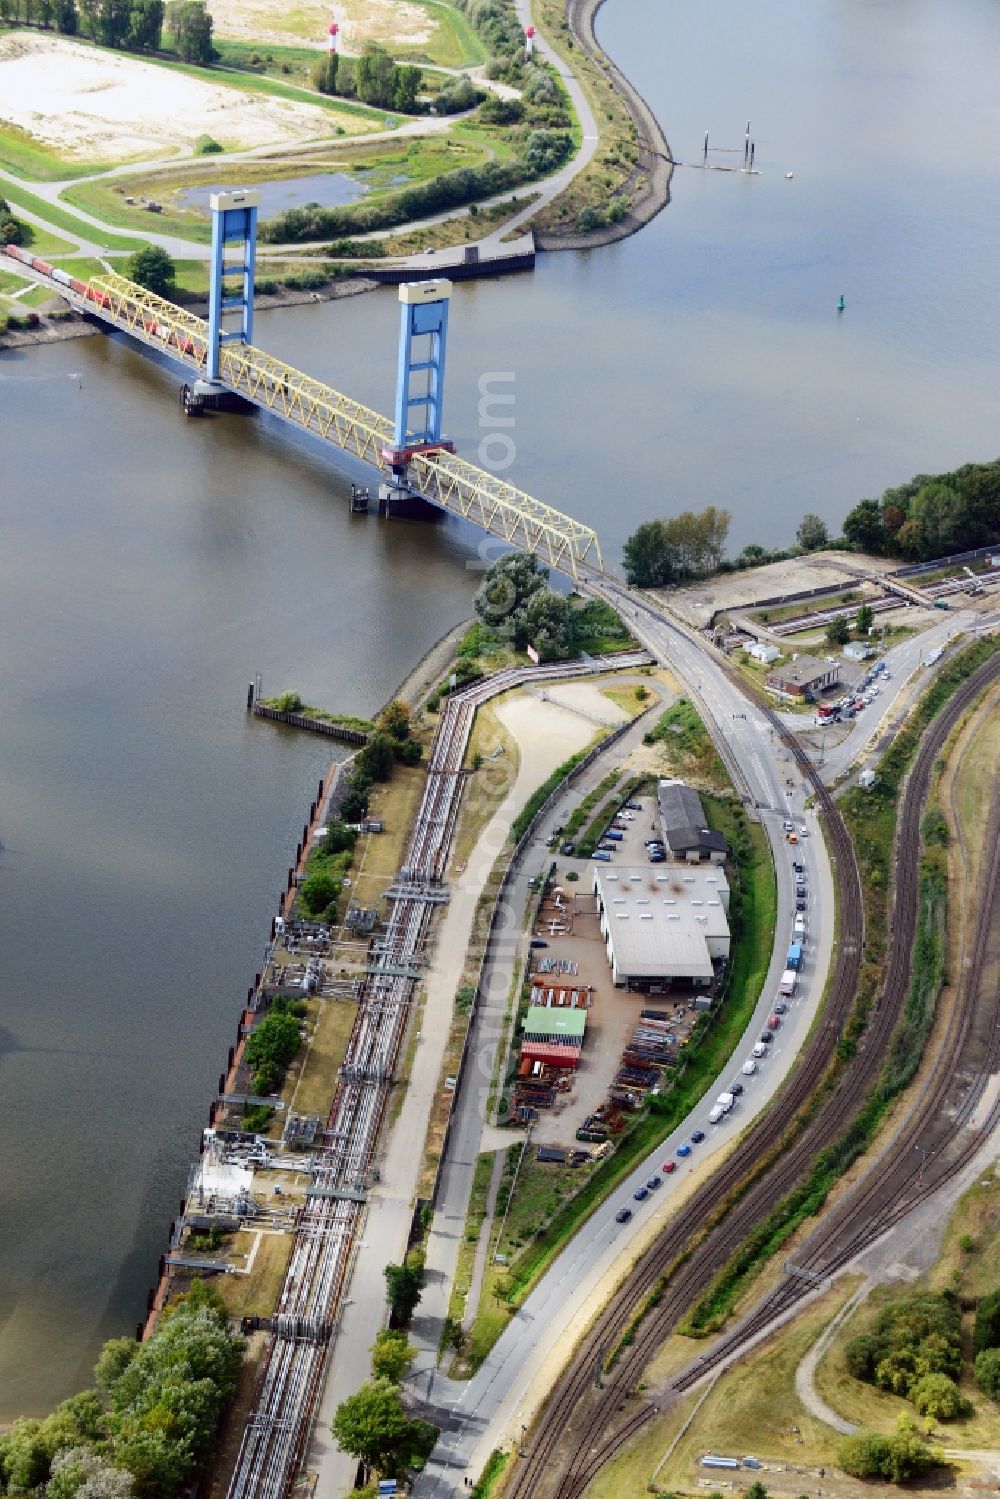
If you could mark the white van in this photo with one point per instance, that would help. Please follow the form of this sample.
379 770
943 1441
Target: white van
799 925
717 1113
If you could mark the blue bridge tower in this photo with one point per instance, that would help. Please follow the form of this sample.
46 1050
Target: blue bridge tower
423 308
234 221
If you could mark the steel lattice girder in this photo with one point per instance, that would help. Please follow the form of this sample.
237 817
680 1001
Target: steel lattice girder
446 480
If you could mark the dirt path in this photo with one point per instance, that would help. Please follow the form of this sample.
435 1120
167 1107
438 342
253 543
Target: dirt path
805 1374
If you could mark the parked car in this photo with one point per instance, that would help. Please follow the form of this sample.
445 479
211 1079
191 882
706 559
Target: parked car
683 1150
669 1166
640 1194
627 816
623 1215
749 1067
657 858
602 856
634 806
538 942
697 1137
568 849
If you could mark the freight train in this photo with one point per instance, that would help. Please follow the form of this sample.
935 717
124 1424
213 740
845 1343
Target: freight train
101 299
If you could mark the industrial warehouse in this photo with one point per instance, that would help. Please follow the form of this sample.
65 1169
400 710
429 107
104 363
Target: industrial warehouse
664 930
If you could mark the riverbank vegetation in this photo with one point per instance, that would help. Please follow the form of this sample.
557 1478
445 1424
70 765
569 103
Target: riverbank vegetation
148 1428
931 516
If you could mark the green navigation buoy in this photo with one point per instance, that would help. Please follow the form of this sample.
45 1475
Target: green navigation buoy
840 304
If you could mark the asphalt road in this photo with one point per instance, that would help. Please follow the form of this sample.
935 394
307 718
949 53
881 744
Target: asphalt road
489 1410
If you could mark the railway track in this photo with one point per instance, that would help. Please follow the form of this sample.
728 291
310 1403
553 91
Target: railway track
563 1457
299 1347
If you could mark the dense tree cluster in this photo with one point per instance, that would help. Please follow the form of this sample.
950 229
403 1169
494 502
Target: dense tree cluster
149 1428
439 194
11 228
902 1455
135 25
930 516
915 1351
274 1043
685 546
190 24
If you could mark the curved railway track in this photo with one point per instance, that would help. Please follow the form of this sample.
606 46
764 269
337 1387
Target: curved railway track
563 1457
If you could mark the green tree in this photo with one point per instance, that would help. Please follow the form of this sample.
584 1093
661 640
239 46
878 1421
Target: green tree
941 513
938 1396
190 24
114 1359
698 538
506 587
392 1355
375 77
378 757
152 268
987 1329
66 17
271 1047
861 1356
145 25
865 620
648 558
407 86
373 1427
838 631
988 1372
404 1288
318 892
863 527
546 621
756 1491
394 720
324 73
812 533
81 1473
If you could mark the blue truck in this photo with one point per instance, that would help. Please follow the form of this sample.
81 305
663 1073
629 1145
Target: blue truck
794 959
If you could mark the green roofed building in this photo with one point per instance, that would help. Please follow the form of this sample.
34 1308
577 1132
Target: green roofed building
543 1024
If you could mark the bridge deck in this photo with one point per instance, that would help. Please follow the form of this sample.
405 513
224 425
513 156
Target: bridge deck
443 478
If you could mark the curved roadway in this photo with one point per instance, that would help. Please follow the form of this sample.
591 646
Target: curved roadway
490 1409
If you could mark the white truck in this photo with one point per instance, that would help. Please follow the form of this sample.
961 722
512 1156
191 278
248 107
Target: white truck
722 1105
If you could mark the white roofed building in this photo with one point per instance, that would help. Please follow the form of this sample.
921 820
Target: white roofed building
664 927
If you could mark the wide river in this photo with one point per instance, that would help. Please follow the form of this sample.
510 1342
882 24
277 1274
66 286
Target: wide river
149 567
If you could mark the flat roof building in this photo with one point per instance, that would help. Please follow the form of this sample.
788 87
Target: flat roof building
803 678
663 928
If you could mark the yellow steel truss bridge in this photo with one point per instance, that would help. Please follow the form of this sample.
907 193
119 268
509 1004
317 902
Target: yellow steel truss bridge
446 480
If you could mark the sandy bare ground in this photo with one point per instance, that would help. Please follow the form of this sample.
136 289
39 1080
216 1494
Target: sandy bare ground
392 22
102 107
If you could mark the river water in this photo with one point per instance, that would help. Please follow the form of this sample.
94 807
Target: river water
150 566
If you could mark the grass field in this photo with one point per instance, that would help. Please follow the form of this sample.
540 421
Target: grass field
61 218
26 157
318 1079
256 1295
